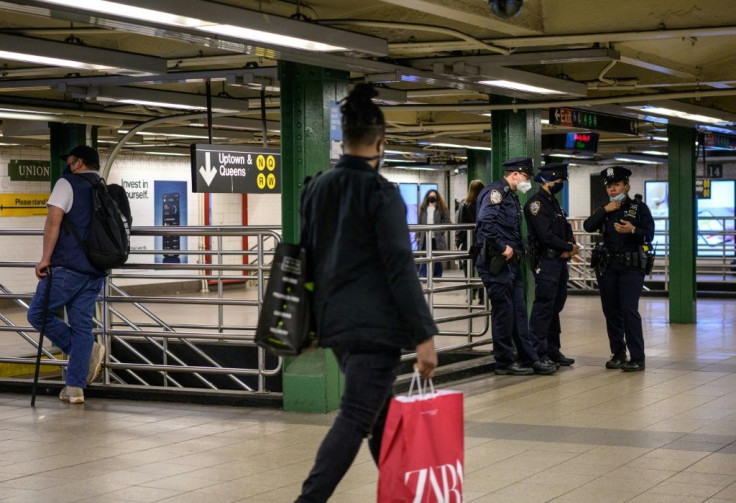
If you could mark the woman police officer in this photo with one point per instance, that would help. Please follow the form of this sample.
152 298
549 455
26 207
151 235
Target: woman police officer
627 227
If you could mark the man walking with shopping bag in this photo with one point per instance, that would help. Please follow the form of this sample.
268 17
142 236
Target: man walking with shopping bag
367 299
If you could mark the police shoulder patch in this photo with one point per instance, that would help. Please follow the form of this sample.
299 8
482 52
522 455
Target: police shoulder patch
534 208
496 197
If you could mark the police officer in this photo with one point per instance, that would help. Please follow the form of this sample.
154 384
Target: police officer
552 242
498 239
627 226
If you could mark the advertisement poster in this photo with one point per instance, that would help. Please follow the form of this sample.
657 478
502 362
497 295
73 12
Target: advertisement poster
170 209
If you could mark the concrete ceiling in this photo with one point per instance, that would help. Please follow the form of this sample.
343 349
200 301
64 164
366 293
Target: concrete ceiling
604 56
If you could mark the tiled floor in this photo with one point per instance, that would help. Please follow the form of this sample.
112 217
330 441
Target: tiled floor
584 435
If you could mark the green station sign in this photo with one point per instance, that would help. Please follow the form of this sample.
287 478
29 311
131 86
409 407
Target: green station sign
21 170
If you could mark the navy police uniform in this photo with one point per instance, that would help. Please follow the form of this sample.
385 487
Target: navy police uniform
498 224
550 234
621 271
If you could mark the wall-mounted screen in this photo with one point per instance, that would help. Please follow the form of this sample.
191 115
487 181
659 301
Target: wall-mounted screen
715 217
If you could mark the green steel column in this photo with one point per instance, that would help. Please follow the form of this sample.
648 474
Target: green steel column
312 382
682 223
479 165
63 138
517 134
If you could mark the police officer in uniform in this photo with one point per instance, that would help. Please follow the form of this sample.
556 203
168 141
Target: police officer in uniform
551 247
500 252
627 226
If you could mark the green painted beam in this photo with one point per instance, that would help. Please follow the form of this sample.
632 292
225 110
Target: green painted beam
63 138
312 382
682 223
517 134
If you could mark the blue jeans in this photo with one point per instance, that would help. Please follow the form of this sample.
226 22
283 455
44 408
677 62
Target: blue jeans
76 292
369 379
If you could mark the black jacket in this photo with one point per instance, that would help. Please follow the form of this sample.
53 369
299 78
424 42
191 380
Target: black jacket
636 213
367 294
546 222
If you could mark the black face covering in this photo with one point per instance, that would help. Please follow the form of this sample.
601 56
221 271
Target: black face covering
432 199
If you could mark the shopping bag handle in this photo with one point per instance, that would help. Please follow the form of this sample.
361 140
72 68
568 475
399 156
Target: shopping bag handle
421 389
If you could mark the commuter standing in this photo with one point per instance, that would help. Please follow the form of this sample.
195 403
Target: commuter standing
551 246
627 226
75 283
498 239
466 215
433 211
367 297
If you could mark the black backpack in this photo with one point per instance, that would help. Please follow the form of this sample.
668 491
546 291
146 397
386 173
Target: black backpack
108 242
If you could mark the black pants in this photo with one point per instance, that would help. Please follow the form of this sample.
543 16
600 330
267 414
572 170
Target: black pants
550 295
369 379
621 288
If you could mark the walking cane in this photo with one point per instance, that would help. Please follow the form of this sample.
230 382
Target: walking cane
40 337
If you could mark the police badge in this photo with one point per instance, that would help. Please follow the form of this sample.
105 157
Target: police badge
496 197
534 208
609 173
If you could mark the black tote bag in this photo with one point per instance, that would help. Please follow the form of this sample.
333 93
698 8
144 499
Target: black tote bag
285 323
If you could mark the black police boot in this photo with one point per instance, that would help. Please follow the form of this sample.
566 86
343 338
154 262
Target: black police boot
562 360
633 366
547 361
544 368
617 361
514 370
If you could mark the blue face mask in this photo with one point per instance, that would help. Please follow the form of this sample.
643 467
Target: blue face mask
618 198
556 188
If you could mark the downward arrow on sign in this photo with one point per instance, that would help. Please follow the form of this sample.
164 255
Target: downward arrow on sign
208 172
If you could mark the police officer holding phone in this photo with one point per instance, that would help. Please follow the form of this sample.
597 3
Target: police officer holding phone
628 229
551 245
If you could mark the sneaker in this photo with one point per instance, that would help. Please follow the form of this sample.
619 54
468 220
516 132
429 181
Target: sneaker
617 361
633 366
562 360
95 362
72 394
544 368
514 370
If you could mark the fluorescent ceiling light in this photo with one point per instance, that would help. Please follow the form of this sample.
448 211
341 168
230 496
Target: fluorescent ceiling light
456 145
684 111
637 160
217 19
518 86
654 152
166 153
43 60
79 57
167 99
659 138
169 135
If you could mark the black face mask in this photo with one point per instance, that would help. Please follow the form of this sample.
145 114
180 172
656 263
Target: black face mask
432 199
556 188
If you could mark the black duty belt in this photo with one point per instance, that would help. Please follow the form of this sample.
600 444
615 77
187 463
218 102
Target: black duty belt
633 259
550 253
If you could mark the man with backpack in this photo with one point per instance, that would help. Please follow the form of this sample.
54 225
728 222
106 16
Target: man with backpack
75 282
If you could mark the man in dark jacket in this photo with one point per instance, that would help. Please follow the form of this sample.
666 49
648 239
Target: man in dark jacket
75 282
367 299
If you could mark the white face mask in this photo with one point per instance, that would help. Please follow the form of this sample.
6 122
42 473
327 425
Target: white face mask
524 186
618 198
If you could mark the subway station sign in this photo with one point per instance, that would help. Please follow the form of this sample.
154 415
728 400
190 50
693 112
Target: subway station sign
21 170
235 170
569 117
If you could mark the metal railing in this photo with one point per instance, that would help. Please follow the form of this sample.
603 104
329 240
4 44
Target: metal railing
192 346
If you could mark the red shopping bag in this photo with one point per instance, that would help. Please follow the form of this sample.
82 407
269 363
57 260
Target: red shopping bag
422 450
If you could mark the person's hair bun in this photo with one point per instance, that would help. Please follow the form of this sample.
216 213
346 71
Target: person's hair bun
362 93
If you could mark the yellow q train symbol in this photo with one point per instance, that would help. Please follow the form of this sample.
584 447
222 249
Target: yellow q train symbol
271 162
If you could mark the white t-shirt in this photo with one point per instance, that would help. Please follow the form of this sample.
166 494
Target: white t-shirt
430 215
62 196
